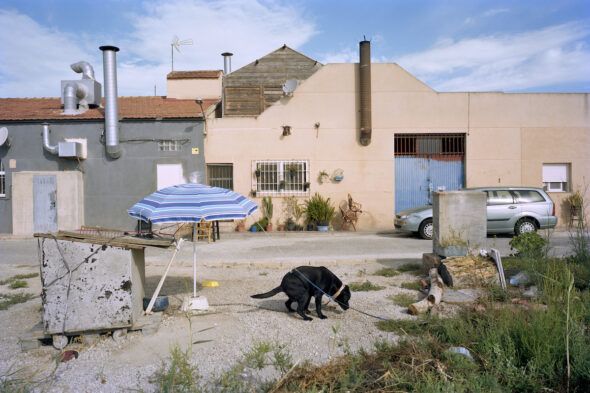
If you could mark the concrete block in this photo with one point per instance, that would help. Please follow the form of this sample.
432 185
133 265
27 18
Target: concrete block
105 291
460 222
429 260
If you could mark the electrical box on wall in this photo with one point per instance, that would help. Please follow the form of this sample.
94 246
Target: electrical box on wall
83 142
70 149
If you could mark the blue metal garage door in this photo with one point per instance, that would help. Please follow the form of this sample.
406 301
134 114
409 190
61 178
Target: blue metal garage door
425 163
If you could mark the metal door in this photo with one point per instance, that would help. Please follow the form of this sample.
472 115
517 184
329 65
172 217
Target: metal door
425 163
44 203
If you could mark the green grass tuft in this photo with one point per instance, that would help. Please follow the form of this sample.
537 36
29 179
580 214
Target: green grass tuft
386 272
17 277
177 376
410 268
364 286
403 299
8 300
16 284
413 285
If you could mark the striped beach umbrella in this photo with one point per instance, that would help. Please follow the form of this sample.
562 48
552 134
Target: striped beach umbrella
192 203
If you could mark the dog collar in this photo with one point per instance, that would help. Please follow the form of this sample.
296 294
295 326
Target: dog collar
338 292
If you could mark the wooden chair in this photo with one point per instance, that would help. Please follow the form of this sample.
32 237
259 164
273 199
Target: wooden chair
350 211
205 230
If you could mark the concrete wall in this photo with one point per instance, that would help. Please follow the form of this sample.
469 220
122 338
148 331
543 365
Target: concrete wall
193 88
508 136
110 186
70 200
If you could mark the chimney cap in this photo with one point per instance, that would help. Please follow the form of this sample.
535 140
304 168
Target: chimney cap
108 47
227 54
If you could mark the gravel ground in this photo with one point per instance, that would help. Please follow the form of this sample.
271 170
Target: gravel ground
234 324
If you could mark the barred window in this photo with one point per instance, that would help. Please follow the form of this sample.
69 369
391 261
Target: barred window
2 181
289 177
221 175
169 145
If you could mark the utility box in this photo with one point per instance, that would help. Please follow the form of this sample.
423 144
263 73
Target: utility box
459 221
69 150
90 286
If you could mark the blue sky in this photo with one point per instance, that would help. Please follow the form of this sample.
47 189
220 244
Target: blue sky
513 46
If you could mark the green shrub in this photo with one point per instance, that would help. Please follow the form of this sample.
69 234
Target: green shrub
319 210
529 245
177 376
410 268
16 284
403 299
413 285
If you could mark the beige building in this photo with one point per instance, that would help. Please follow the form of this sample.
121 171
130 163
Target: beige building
307 141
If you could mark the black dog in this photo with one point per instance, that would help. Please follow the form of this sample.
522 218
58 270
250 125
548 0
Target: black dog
303 282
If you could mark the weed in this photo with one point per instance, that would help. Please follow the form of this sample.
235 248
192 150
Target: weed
403 299
529 245
364 286
410 268
18 277
414 285
7 300
386 272
16 284
177 376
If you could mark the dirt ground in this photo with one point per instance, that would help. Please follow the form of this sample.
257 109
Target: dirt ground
233 325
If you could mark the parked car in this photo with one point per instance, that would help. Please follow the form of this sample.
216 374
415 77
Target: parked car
512 210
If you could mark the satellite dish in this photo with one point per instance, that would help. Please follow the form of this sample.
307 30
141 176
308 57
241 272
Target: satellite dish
4 141
290 86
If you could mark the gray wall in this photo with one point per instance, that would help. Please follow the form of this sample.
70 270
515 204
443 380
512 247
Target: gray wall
110 186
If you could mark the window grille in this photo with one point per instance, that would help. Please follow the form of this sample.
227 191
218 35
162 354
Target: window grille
2 181
169 145
221 175
289 177
429 144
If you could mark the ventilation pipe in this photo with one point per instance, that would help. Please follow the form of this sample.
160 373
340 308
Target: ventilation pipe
111 110
365 91
51 149
84 68
227 62
74 94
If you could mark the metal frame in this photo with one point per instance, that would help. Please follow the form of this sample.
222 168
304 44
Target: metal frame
281 177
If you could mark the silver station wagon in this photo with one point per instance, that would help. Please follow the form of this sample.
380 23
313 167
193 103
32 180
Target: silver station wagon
513 210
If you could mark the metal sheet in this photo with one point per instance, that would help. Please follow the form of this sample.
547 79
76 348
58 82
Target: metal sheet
44 203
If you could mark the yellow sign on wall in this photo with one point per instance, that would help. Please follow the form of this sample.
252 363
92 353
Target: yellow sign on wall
195 150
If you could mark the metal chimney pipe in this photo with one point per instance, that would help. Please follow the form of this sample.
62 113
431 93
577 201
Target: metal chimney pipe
111 110
52 149
84 68
365 91
73 94
227 62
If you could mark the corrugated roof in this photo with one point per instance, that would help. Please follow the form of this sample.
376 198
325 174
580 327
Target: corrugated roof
13 109
202 74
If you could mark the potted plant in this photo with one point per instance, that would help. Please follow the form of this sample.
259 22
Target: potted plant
267 212
576 202
253 193
323 176
257 173
306 186
319 212
292 169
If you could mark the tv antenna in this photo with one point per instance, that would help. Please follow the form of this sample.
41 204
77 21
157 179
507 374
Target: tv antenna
289 87
176 44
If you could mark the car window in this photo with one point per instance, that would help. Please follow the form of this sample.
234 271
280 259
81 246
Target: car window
528 196
499 197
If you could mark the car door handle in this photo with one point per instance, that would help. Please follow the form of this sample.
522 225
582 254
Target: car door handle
511 207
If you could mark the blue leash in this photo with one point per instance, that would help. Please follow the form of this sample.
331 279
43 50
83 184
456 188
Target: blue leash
336 301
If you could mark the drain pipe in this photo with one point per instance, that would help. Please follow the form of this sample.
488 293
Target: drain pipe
51 149
84 68
365 91
111 110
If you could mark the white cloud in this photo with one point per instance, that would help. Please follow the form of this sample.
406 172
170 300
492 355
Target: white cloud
494 12
545 57
346 55
35 58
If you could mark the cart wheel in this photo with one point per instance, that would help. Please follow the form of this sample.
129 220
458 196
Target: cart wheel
60 341
119 335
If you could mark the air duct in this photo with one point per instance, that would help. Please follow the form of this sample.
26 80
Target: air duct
74 94
84 68
365 91
227 62
111 110
51 149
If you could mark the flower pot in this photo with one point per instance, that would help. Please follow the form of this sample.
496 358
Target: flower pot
254 228
268 227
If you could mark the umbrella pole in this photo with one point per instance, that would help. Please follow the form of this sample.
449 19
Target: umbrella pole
194 260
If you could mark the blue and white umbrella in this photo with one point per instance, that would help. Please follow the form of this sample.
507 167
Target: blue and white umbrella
190 203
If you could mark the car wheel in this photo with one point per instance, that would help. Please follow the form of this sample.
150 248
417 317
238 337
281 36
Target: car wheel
525 225
426 229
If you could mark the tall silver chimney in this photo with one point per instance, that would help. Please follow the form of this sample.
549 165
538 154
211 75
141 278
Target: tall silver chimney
111 110
227 62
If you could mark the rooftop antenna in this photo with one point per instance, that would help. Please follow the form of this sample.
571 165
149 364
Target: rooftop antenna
176 44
